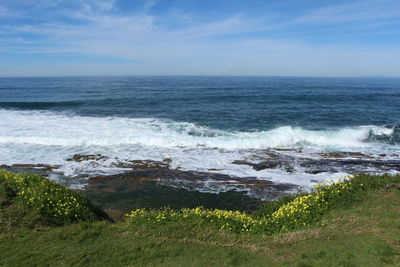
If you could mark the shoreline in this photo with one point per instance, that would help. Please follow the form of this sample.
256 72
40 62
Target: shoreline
154 184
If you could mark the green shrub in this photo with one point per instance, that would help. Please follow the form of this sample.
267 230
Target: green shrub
58 204
6 193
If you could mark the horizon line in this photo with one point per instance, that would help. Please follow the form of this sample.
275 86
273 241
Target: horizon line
195 75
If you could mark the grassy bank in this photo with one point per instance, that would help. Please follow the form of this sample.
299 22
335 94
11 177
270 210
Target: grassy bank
355 222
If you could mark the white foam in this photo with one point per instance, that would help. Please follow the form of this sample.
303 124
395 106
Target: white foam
50 138
50 129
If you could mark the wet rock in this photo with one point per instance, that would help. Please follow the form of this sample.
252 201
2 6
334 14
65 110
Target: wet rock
271 164
338 155
257 183
349 165
289 168
189 180
272 155
242 162
286 149
167 160
40 169
266 165
378 163
320 169
332 162
333 155
33 166
358 154
87 157
142 164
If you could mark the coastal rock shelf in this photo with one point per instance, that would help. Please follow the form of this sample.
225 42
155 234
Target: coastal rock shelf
332 162
149 183
214 180
197 181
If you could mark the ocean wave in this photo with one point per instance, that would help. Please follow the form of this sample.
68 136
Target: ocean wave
55 129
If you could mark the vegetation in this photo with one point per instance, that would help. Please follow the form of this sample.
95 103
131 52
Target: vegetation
353 222
291 213
48 201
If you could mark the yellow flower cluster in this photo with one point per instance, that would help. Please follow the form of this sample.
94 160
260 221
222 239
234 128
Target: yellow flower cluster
217 213
55 199
299 212
299 205
225 219
315 202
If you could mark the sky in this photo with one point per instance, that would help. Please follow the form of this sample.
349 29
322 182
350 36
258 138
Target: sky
204 37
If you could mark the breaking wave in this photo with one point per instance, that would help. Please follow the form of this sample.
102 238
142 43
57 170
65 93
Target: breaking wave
55 129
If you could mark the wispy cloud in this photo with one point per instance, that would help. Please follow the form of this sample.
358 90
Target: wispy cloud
148 4
234 43
359 11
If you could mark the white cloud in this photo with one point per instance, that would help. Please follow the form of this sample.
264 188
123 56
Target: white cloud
198 48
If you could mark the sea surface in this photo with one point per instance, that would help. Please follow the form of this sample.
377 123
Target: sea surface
202 124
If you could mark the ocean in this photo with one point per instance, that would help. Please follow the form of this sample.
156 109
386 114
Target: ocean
290 130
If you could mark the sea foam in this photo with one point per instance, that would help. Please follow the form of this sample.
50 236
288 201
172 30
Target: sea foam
51 138
51 129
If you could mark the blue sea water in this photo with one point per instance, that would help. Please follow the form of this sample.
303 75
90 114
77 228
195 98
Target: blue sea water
201 123
228 103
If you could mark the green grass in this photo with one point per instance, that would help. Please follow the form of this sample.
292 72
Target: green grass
362 229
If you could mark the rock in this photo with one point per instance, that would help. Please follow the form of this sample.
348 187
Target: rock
285 149
289 168
242 162
256 183
266 165
261 165
83 157
333 155
40 169
358 154
167 160
189 180
272 155
34 166
339 155
142 164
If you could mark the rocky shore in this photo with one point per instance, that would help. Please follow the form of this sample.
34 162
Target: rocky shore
153 184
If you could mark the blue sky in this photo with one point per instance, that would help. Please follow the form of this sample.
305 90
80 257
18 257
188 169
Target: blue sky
186 37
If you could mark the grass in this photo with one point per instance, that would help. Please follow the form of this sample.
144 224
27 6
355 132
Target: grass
359 229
